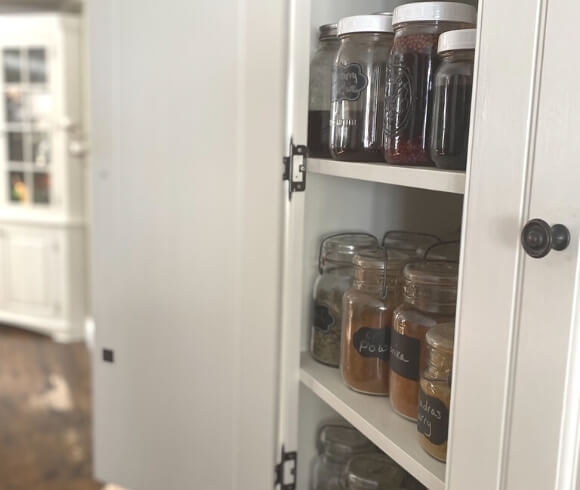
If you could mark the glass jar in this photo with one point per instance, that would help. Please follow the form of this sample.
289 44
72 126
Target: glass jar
429 295
338 444
452 99
366 322
447 251
373 471
410 80
410 242
435 391
358 87
336 277
320 93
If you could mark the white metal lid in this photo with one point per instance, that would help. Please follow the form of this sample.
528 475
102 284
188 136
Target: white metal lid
435 11
365 23
455 40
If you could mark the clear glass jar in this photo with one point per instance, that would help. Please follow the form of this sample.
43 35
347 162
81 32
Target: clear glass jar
320 93
337 445
410 242
447 251
366 322
430 294
412 66
435 391
452 99
336 277
373 471
358 87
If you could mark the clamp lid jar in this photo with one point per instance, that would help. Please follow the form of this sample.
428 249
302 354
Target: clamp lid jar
336 276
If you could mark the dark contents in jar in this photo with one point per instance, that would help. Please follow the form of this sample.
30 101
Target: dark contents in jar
409 99
319 134
450 131
349 140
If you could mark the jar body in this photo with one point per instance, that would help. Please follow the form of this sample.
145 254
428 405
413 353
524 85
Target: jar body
326 472
409 356
433 414
327 323
367 319
451 110
358 96
409 97
319 98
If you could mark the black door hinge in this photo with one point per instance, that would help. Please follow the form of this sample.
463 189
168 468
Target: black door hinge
295 168
286 470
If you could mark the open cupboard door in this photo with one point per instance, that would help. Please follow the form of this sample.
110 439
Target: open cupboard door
187 125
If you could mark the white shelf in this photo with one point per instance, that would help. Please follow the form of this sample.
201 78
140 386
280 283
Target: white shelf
374 417
419 177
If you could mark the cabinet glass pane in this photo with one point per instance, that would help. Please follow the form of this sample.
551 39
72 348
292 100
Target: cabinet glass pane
15 146
41 188
37 65
15 106
18 190
40 148
12 64
39 107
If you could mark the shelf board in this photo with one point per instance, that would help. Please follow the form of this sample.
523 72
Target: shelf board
452 181
374 417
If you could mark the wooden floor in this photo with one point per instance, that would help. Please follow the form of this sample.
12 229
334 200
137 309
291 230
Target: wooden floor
45 414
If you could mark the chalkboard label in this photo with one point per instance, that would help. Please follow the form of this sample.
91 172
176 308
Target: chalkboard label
432 418
323 319
372 342
405 355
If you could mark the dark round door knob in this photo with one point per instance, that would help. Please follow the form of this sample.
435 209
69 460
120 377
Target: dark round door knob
538 238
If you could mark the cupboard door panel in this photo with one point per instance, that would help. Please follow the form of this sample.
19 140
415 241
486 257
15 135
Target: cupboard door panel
187 133
543 395
31 272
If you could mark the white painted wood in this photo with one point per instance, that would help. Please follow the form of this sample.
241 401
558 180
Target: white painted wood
545 365
417 177
187 140
42 279
374 417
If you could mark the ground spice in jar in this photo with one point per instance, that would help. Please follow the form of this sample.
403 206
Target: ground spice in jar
366 326
435 392
430 292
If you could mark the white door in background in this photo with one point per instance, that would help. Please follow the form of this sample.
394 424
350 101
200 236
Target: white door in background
186 168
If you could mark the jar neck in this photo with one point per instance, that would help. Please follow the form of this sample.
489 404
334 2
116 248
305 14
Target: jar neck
431 298
366 37
458 56
439 363
331 266
370 280
335 459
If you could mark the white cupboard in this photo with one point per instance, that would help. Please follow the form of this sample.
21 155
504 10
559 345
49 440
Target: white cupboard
42 215
204 262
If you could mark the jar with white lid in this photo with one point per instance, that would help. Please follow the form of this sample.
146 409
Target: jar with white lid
336 277
452 99
320 92
358 88
414 60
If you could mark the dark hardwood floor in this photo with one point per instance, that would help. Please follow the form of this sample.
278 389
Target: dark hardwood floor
45 414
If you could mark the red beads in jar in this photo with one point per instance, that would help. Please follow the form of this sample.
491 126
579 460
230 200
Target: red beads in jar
414 60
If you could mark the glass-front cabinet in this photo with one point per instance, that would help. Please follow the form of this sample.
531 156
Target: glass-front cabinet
41 171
